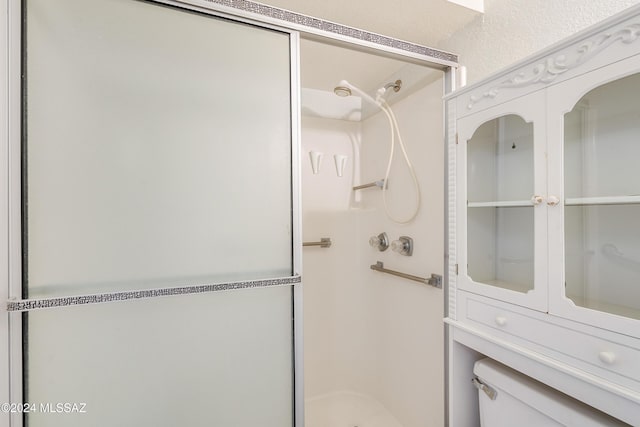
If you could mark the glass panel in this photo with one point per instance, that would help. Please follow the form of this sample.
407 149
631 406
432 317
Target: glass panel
500 247
603 258
153 157
500 223
216 359
601 149
500 161
602 188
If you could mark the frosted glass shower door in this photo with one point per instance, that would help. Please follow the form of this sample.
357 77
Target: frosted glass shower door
157 217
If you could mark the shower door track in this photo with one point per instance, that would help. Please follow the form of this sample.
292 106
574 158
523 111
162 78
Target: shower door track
323 30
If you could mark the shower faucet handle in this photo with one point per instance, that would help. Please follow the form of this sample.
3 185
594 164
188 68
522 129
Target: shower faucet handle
403 246
380 242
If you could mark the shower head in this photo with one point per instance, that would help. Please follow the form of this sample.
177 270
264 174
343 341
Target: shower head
342 91
345 88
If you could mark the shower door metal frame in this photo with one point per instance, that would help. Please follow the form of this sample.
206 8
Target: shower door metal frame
10 208
13 306
329 32
244 11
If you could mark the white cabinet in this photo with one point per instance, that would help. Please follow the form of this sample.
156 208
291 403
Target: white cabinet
544 219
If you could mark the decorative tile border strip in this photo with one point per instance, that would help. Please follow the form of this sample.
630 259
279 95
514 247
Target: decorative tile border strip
331 27
35 304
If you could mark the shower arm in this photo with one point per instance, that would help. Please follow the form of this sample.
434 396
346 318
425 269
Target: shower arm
396 86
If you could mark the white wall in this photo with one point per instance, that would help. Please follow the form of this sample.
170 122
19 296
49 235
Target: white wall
407 316
511 30
367 332
326 213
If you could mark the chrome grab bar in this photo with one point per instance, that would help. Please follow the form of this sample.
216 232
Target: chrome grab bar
380 184
324 242
435 279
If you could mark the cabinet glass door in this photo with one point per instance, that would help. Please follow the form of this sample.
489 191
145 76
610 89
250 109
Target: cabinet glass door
501 210
500 226
602 199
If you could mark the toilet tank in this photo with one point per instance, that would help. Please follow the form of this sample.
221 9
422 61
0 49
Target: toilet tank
524 402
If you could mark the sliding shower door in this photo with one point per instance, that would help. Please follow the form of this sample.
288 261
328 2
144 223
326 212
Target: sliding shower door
157 228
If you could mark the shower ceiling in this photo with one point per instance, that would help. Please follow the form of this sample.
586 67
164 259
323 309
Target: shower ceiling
323 66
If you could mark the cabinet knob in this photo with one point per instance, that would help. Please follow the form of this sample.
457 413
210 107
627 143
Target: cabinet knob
536 200
501 321
552 200
607 357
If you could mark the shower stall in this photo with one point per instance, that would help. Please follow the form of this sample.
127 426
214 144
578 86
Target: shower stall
373 342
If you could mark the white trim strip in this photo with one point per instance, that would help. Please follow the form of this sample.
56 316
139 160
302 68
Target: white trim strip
40 303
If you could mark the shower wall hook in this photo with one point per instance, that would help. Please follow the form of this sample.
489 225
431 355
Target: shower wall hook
340 161
316 159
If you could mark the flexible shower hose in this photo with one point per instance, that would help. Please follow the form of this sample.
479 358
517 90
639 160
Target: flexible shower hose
395 130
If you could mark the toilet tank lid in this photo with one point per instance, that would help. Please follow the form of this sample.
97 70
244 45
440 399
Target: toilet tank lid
541 397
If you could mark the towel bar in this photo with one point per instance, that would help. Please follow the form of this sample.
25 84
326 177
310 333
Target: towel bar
324 242
435 280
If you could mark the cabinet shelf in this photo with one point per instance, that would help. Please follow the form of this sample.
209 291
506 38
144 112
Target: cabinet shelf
611 200
504 204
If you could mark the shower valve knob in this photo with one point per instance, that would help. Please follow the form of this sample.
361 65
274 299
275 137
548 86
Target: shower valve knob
380 242
403 246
